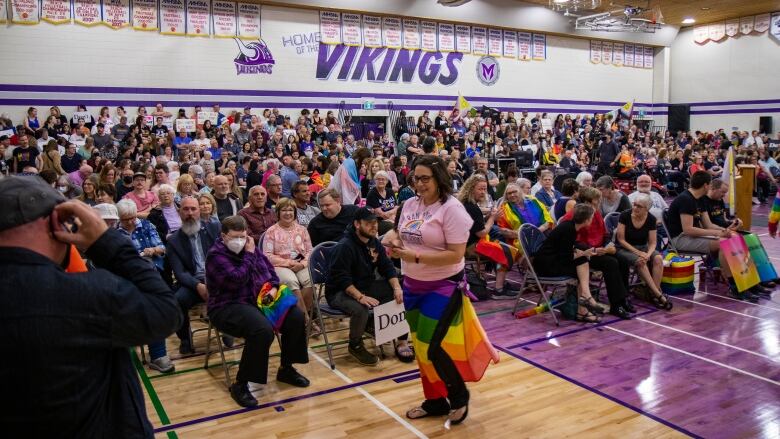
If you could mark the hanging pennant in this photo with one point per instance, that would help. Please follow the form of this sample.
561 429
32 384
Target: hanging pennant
411 27
595 52
746 25
606 52
495 45
428 41
4 12
717 31
116 13
701 34
249 21
648 63
145 15
391 32
774 29
462 38
372 31
223 17
24 11
198 18
330 27
52 11
639 56
628 55
86 12
446 37
762 23
524 46
510 44
479 41
540 47
732 27
351 34
617 54
173 19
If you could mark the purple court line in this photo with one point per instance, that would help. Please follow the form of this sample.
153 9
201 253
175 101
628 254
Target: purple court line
574 331
278 402
599 392
404 379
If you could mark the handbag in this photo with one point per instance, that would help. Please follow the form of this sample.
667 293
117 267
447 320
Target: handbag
477 285
678 274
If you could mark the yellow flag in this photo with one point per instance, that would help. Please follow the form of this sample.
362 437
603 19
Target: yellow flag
462 105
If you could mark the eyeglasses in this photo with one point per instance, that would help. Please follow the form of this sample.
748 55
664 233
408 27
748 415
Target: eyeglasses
422 178
512 193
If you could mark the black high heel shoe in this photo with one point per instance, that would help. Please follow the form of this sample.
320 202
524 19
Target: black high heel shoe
662 302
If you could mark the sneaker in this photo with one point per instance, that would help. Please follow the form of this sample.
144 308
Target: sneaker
361 354
288 375
162 364
504 294
241 395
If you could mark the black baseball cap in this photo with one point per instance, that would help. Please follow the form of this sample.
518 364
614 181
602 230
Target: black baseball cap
25 199
364 214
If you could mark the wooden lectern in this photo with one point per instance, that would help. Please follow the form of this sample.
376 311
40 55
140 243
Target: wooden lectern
743 193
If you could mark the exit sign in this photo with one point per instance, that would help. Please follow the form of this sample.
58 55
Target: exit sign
368 104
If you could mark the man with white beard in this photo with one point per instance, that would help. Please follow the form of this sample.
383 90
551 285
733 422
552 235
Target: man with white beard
186 251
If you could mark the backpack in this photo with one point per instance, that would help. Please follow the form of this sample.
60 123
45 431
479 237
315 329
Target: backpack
477 285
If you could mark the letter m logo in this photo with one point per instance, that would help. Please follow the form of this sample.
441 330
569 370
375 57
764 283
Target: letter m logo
488 71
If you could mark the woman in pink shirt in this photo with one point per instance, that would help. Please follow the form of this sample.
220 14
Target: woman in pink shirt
430 240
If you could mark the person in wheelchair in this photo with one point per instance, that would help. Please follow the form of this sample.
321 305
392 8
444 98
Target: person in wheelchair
361 277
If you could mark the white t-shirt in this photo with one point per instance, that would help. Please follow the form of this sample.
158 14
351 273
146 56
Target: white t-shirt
425 228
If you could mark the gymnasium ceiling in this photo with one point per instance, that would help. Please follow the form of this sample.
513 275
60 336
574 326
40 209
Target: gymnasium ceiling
674 11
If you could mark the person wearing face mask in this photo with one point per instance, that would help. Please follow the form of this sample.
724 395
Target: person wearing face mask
125 184
235 272
66 188
100 314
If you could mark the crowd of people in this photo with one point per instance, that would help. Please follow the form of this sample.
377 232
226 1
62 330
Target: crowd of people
236 206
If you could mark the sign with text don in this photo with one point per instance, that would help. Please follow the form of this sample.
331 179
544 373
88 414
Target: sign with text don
390 322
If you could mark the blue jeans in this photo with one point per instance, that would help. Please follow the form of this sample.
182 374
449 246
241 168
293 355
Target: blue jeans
157 350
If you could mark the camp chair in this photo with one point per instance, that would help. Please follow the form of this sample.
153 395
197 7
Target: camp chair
531 240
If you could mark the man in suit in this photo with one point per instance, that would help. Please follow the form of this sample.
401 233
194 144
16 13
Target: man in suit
186 252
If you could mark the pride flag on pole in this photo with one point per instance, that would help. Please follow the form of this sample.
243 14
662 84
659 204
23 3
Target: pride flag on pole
729 178
462 105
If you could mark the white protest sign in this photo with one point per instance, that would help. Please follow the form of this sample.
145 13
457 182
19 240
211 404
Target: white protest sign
8 133
187 125
389 322
208 115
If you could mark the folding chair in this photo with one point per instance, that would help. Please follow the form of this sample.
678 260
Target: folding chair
218 337
319 268
611 221
531 240
704 258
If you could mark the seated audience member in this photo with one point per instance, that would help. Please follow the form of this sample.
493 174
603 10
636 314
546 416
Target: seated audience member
302 196
716 209
227 203
333 220
644 185
636 238
208 208
455 174
474 190
691 230
72 160
144 199
273 186
381 199
568 198
259 217
362 277
516 210
236 271
594 236
106 193
560 255
147 243
165 217
612 200
186 251
77 177
288 246
547 194
109 214
89 191
77 364
584 179
627 163
185 187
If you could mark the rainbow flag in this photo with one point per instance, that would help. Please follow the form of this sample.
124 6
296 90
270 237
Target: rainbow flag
275 308
766 271
533 212
464 341
774 215
497 251
678 275
741 264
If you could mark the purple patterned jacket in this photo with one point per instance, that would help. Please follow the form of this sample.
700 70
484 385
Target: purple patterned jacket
236 278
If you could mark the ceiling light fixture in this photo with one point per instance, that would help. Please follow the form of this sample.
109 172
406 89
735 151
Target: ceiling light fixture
688 20
571 7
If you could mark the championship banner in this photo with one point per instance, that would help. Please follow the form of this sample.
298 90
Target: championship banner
391 32
761 23
524 46
774 28
428 41
372 31
540 47
330 27
116 13
173 19
223 17
249 21
746 25
701 34
617 54
479 45
4 12
495 46
717 31
52 11
462 38
446 37
351 33
198 18
412 38
628 55
595 52
145 14
86 12
510 44
24 11
639 56
606 52
732 27
648 57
